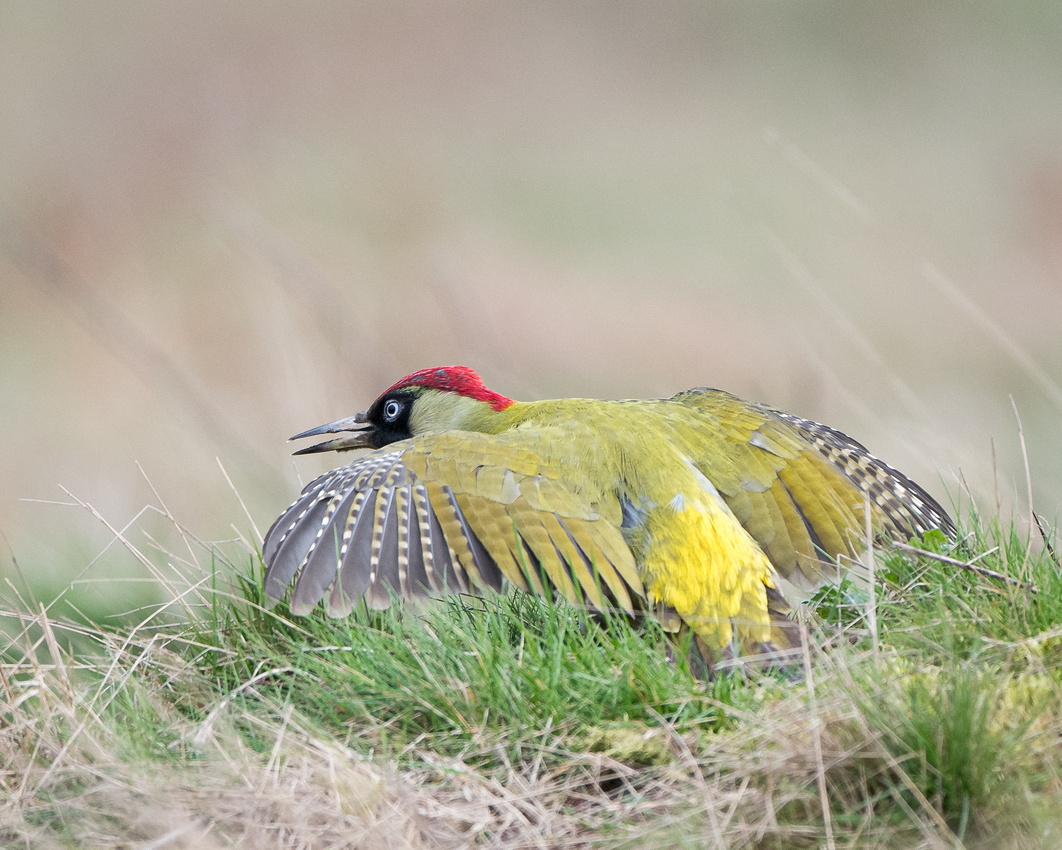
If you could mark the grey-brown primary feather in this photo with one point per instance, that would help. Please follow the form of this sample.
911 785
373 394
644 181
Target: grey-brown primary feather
323 555
354 580
384 573
417 581
289 540
326 549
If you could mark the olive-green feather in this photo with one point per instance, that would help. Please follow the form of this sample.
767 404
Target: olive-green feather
529 511
800 488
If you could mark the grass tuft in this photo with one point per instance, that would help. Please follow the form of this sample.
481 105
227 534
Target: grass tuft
520 721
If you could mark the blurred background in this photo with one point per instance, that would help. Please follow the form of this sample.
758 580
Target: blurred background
221 224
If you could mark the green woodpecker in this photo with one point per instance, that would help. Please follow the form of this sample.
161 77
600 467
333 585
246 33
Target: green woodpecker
698 507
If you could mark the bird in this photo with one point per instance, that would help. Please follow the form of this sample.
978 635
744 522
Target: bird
709 512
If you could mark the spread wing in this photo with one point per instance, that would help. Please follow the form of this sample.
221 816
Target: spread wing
800 488
453 512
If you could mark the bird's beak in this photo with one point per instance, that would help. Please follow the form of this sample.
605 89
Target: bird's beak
360 439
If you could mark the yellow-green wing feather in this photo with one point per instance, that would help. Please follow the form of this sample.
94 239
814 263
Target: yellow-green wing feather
458 511
800 488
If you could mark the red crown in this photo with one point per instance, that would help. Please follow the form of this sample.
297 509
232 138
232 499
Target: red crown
454 379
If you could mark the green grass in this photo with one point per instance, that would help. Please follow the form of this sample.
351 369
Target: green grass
518 721
463 670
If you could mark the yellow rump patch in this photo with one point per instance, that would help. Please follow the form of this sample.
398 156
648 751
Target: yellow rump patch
709 569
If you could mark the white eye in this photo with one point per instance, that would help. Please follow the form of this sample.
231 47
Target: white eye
391 410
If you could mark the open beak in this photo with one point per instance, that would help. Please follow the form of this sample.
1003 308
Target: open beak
359 439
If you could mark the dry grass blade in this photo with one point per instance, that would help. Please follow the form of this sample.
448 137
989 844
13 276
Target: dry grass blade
966 565
206 728
1047 542
816 740
121 537
872 601
239 498
169 515
697 775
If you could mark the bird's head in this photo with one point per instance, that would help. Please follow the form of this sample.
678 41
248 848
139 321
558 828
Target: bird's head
429 401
